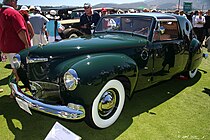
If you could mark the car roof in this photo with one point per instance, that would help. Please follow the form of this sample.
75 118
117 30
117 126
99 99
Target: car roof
158 16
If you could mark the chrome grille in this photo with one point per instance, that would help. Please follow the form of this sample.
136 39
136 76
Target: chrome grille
45 90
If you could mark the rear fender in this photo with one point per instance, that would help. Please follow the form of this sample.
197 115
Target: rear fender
196 55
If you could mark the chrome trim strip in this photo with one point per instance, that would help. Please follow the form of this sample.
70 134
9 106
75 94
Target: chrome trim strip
66 112
36 60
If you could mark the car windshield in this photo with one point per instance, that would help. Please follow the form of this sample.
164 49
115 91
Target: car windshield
137 25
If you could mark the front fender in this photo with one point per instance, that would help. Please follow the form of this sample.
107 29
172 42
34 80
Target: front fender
100 68
96 70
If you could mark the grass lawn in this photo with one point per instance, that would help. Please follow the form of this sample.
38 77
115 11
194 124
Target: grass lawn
172 110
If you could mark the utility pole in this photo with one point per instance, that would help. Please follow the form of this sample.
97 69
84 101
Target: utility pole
178 5
202 7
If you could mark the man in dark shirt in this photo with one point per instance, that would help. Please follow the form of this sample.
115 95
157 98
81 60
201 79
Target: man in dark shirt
88 19
207 30
207 24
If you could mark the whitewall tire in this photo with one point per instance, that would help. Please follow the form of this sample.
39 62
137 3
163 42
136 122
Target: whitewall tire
108 104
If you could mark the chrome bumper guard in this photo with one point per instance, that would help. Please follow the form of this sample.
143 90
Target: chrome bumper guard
72 111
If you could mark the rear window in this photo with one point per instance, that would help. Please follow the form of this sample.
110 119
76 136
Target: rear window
166 30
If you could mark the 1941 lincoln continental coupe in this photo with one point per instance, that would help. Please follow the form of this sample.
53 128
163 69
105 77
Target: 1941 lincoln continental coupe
90 77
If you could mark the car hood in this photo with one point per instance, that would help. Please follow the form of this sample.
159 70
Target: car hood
89 44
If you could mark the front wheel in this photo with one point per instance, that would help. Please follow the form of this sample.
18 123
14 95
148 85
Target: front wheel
108 104
193 73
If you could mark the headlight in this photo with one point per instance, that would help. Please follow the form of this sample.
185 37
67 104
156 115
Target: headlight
16 61
70 79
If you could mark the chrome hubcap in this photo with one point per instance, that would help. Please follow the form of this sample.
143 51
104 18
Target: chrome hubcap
107 103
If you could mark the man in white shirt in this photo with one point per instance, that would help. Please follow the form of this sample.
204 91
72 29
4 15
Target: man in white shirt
199 26
38 22
53 27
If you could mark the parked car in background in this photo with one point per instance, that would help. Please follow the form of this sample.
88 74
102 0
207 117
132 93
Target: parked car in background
90 77
70 19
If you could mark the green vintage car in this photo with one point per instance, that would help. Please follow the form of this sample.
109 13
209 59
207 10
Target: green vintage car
90 77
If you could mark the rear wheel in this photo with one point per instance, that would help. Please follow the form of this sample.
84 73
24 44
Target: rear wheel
72 33
108 104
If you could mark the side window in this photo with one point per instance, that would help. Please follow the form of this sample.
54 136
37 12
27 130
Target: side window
137 25
166 30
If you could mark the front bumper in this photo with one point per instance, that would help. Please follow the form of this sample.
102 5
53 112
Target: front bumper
72 111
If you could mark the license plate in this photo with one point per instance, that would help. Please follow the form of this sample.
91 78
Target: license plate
23 105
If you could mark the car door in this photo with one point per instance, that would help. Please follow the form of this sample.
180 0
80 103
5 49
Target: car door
168 53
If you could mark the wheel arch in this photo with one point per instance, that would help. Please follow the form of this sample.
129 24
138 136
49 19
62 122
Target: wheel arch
100 68
126 83
195 55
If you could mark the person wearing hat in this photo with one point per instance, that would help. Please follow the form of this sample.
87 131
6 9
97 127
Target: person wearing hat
145 10
53 27
24 8
31 10
88 19
38 22
103 12
181 13
131 11
24 12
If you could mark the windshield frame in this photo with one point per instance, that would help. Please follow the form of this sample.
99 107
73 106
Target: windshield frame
122 21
